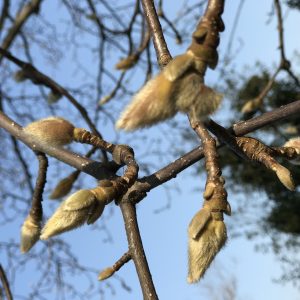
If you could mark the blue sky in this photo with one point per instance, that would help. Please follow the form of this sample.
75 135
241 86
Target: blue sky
165 234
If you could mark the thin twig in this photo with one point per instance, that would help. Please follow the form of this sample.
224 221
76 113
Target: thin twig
137 251
23 15
36 210
91 167
162 52
5 284
108 272
100 170
39 78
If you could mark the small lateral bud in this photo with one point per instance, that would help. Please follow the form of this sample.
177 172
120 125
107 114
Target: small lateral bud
203 249
30 234
52 130
106 273
92 17
251 106
64 186
285 176
179 87
53 97
20 76
294 143
72 213
127 62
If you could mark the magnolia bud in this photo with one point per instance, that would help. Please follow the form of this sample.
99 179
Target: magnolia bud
30 233
106 273
53 130
178 87
64 186
72 213
204 247
294 143
20 76
53 97
285 176
127 62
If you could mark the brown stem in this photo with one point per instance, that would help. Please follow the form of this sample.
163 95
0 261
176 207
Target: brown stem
23 15
279 114
108 272
137 251
206 36
225 137
280 30
215 194
122 154
4 13
5 284
39 78
36 210
91 167
168 172
162 52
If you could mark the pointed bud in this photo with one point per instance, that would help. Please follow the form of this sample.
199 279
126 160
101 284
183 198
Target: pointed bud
53 130
53 97
96 212
72 213
204 248
251 106
30 234
294 143
285 176
64 186
20 76
198 222
106 273
127 62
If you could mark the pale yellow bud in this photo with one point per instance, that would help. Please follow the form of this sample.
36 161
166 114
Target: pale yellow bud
53 97
72 213
285 176
52 130
20 76
127 62
178 87
251 105
204 248
294 143
30 234
63 187
106 273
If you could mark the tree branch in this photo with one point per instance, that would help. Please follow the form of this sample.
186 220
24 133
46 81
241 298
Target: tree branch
138 190
38 78
27 10
5 284
137 251
91 167
162 52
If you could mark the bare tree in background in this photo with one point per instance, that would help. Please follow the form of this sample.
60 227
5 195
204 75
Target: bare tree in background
81 65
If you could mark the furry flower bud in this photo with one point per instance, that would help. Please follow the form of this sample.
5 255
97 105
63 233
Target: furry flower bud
294 143
64 186
72 213
30 233
178 87
204 246
52 130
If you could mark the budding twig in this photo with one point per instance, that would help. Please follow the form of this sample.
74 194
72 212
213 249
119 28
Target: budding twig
30 231
257 151
108 272
207 231
5 284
